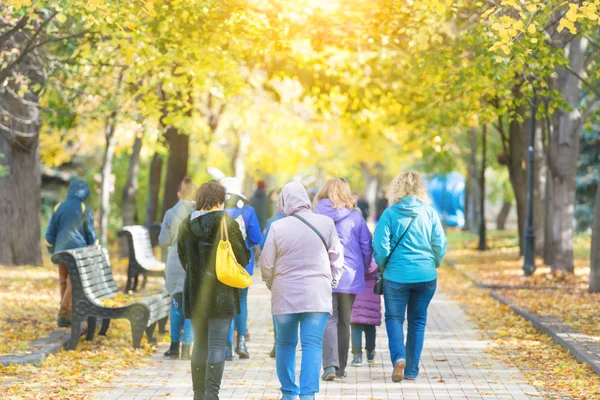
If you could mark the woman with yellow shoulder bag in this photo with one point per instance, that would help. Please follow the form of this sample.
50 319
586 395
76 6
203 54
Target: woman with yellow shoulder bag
212 251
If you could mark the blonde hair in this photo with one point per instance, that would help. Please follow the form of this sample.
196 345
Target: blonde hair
407 184
338 191
187 189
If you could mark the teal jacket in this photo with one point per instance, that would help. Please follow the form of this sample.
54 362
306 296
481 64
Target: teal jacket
422 249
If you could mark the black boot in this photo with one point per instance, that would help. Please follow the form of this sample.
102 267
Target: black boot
273 353
185 351
229 352
214 374
199 380
173 352
241 348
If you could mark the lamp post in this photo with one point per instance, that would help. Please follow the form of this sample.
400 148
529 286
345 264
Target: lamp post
529 248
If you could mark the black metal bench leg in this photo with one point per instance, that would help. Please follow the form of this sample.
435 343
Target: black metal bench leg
105 325
75 333
135 282
150 333
144 281
91 328
162 325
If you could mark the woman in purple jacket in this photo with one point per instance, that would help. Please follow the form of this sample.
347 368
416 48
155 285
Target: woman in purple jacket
335 200
365 317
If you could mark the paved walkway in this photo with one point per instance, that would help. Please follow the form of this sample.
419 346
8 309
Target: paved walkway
453 366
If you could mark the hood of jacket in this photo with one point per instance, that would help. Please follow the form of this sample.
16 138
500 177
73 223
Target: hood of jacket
325 207
408 206
202 222
295 198
260 194
183 208
78 189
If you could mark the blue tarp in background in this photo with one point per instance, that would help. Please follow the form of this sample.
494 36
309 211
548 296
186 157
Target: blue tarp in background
447 194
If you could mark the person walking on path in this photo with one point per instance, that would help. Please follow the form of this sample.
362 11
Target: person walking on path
279 214
380 205
363 206
238 208
261 203
409 245
301 261
209 304
335 201
71 227
174 273
365 317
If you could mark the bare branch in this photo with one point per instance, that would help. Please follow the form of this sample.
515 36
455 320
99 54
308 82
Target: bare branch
594 89
5 72
6 35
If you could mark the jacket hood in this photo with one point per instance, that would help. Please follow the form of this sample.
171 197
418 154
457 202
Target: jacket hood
260 193
183 208
78 189
295 198
325 207
408 206
202 222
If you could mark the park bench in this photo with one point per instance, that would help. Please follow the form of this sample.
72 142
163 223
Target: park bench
141 258
92 282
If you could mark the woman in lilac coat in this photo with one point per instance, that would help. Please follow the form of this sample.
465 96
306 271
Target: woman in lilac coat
335 200
365 317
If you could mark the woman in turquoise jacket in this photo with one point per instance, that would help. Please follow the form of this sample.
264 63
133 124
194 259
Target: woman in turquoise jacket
409 245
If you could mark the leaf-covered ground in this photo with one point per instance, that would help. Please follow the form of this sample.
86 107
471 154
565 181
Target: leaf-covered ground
29 300
502 265
545 364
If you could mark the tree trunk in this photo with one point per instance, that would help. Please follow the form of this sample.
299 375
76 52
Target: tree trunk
516 172
238 156
564 145
503 215
482 225
474 185
154 189
595 253
20 177
548 249
178 144
129 194
107 184
539 181
19 197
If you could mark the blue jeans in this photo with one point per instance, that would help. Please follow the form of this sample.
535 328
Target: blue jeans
178 320
398 298
370 335
312 328
240 321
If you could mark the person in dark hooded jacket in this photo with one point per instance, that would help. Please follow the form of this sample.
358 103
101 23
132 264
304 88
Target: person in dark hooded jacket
210 304
71 227
262 205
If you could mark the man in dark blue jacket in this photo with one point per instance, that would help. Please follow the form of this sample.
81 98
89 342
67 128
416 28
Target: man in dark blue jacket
71 227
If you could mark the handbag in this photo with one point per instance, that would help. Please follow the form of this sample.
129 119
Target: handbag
229 271
378 287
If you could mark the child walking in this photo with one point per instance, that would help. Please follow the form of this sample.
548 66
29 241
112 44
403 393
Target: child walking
365 317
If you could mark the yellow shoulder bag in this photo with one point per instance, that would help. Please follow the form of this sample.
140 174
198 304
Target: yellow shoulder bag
229 271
